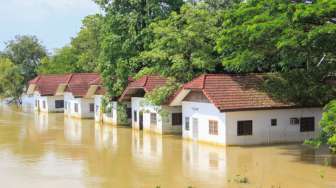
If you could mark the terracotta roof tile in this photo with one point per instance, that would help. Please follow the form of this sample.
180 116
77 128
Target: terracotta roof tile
147 83
47 84
79 83
235 92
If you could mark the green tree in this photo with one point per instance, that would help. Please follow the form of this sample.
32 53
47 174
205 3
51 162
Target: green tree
278 35
11 81
26 53
63 61
183 44
124 36
296 39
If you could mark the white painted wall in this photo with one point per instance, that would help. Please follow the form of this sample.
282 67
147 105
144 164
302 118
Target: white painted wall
264 133
164 124
49 103
111 117
203 112
83 106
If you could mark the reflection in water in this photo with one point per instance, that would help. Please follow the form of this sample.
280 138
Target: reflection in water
105 136
147 148
73 130
40 150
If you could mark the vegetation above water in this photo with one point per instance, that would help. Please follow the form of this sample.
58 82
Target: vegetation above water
294 40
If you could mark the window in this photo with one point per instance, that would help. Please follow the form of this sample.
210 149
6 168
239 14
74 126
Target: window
294 121
129 113
307 124
135 116
153 119
76 107
244 128
44 104
177 119
213 127
274 122
59 104
187 123
91 107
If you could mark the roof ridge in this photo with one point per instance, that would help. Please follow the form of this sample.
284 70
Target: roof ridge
70 77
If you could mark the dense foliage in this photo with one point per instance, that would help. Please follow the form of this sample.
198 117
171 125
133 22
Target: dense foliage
11 80
19 62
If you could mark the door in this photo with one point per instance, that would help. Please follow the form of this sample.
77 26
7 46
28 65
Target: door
195 128
141 120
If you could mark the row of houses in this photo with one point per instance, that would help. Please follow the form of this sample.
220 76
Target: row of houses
214 108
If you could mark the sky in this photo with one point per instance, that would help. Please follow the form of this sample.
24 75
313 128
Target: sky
54 22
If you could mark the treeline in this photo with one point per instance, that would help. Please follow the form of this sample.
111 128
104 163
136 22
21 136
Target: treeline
295 40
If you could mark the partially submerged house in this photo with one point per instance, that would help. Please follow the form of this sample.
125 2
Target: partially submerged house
44 88
78 99
109 113
233 110
162 119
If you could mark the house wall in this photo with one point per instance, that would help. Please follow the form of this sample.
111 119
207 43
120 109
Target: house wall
110 117
164 124
264 133
203 112
49 101
83 106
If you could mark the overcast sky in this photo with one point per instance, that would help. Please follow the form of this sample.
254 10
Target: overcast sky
54 22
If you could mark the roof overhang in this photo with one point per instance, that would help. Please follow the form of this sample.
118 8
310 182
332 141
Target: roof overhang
177 101
91 91
31 89
60 89
131 92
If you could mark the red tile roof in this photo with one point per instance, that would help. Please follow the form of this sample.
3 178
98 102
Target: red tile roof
235 92
47 84
145 83
79 83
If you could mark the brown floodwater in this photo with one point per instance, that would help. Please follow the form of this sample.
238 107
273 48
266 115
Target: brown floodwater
41 150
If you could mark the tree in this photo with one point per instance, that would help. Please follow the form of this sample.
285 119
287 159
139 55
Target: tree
273 35
296 39
81 55
124 37
63 61
183 44
11 81
26 53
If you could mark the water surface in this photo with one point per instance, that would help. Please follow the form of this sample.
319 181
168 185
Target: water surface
41 150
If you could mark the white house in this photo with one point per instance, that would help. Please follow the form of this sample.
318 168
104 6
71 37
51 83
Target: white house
232 110
162 119
78 99
44 91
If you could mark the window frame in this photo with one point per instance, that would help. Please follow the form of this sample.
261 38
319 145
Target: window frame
274 122
135 116
91 107
213 127
187 123
177 119
306 128
129 113
76 107
59 104
242 130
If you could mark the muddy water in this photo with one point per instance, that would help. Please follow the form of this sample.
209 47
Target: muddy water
40 150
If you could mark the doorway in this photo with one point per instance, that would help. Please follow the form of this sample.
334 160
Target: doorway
141 120
195 128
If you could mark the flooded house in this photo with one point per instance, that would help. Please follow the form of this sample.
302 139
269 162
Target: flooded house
162 119
233 110
78 99
110 114
43 90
